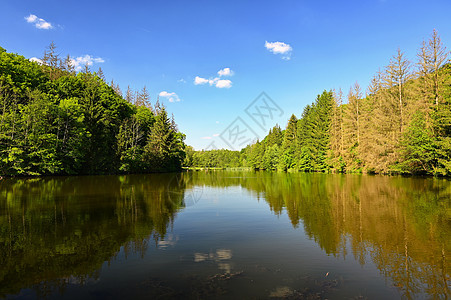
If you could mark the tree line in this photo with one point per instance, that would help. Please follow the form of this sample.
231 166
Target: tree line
401 124
55 121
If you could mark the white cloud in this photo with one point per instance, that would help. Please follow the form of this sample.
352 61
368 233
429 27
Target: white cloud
181 80
225 72
206 137
44 25
216 81
223 83
199 80
216 134
31 18
279 48
38 22
172 97
79 62
35 59
213 81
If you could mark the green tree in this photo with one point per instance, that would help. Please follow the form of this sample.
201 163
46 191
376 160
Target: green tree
164 149
418 147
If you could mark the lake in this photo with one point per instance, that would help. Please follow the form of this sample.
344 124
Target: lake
225 235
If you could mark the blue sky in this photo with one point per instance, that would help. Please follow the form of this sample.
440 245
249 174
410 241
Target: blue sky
165 45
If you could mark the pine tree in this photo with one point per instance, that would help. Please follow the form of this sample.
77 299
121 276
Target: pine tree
398 73
305 140
143 98
336 124
288 148
323 120
274 136
164 149
68 65
100 74
116 88
130 96
352 129
52 60
336 132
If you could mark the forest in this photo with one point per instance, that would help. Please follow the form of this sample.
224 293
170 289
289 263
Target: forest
57 121
400 125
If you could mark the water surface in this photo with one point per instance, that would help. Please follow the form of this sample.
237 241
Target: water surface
225 235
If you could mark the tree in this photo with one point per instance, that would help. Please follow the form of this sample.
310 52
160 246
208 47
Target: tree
322 126
115 87
336 129
398 73
418 147
274 136
352 130
164 149
288 148
52 60
143 98
305 139
100 74
129 96
432 56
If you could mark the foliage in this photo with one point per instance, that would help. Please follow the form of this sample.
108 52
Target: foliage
55 121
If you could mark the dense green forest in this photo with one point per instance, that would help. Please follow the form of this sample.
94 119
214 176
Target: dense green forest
401 125
54 120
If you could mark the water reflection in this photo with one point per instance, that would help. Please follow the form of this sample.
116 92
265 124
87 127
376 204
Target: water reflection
56 229
55 232
221 257
402 224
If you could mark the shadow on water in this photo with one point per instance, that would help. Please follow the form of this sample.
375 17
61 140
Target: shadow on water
59 231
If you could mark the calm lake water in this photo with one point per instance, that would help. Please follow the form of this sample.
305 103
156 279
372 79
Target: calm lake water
225 235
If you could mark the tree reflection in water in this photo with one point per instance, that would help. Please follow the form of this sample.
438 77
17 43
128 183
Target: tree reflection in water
59 231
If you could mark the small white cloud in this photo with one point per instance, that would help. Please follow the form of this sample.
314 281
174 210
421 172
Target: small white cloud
217 122
279 48
38 22
217 81
81 61
35 59
31 18
225 72
199 80
223 83
206 137
181 80
172 97
44 25
216 134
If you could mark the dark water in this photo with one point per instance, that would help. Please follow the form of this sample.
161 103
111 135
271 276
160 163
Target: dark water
226 235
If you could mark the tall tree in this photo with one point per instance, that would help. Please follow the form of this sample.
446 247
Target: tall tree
143 98
288 148
130 96
352 130
398 73
164 149
432 56
323 118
